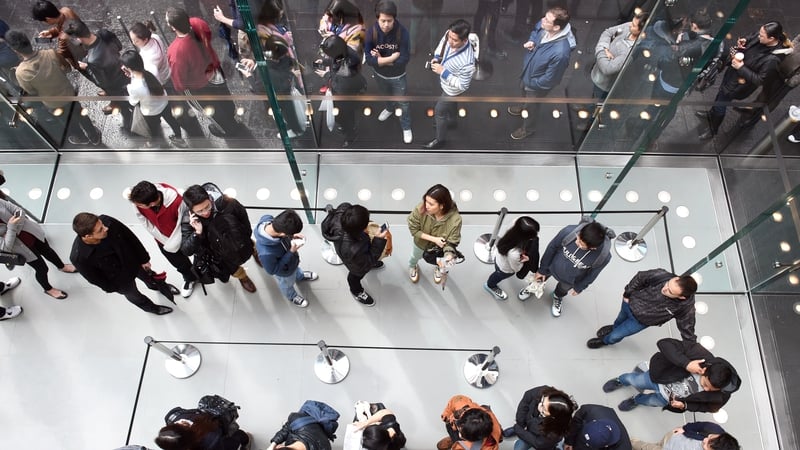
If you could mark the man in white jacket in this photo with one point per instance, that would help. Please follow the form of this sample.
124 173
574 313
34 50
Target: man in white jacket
160 209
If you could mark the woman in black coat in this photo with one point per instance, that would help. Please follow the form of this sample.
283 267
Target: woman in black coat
542 420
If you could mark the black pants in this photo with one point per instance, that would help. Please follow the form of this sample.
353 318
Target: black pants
180 262
131 292
154 124
354 281
43 251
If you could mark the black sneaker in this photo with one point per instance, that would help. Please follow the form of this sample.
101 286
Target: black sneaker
612 385
595 343
605 331
364 299
627 404
379 265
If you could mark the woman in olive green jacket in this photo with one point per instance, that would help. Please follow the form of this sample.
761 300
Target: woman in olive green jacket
434 223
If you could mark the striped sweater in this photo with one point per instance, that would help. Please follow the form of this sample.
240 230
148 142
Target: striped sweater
459 65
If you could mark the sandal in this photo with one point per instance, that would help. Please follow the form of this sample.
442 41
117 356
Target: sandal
61 296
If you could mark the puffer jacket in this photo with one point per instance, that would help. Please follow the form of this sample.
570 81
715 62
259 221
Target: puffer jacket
312 435
544 66
358 253
528 423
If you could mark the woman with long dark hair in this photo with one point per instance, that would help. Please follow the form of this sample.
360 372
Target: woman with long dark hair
542 419
435 222
20 235
147 92
380 428
517 252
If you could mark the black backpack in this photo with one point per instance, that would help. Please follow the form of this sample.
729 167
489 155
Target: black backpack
217 406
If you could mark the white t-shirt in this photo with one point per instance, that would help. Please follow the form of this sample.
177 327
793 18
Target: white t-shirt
154 55
151 105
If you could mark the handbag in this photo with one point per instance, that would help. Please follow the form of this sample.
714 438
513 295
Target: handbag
299 107
11 259
430 255
139 124
327 106
374 229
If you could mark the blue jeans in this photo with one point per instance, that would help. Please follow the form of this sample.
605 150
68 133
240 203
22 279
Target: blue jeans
642 382
395 86
497 277
522 445
625 325
286 284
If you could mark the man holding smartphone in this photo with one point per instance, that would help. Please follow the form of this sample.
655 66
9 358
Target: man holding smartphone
277 241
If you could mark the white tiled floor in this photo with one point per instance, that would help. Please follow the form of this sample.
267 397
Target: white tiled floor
71 369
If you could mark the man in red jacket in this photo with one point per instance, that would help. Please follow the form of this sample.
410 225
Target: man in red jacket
160 210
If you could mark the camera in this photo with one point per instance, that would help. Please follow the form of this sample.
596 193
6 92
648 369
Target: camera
241 66
318 65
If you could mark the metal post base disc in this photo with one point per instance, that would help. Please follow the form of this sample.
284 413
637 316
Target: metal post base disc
481 379
628 252
189 363
482 250
332 373
329 254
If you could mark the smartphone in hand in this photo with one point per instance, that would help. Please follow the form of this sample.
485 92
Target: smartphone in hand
384 227
18 213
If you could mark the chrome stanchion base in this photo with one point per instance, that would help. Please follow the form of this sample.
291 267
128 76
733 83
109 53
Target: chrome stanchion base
476 375
335 372
628 252
483 252
189 363
329 253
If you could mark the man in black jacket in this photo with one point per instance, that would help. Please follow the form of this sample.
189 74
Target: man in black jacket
345 227
683 376
111 257
596 427
218 234
652 297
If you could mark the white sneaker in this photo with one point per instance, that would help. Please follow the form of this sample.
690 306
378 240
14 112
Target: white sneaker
187 289
793 139
385 114
524 294
310 276
9 285
11 312
407 136
555 310
299 301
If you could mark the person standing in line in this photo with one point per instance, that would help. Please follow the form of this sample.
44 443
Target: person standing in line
547 58
149 95
111 257
218 234
160 210
596 427
102 65
9 312
20 235
692 436
435 222
346 227
454 64
44 73
542 419
195 68
611 52
47 12
652 297
517 252
760 55
278 240
387 52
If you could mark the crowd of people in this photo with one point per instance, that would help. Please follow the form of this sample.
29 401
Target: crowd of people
664 47
207 235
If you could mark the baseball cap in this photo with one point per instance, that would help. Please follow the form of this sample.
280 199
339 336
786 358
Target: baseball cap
598 434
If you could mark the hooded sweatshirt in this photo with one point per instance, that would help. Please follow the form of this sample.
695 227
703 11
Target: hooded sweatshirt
570 264
273 252
544 66
358 253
